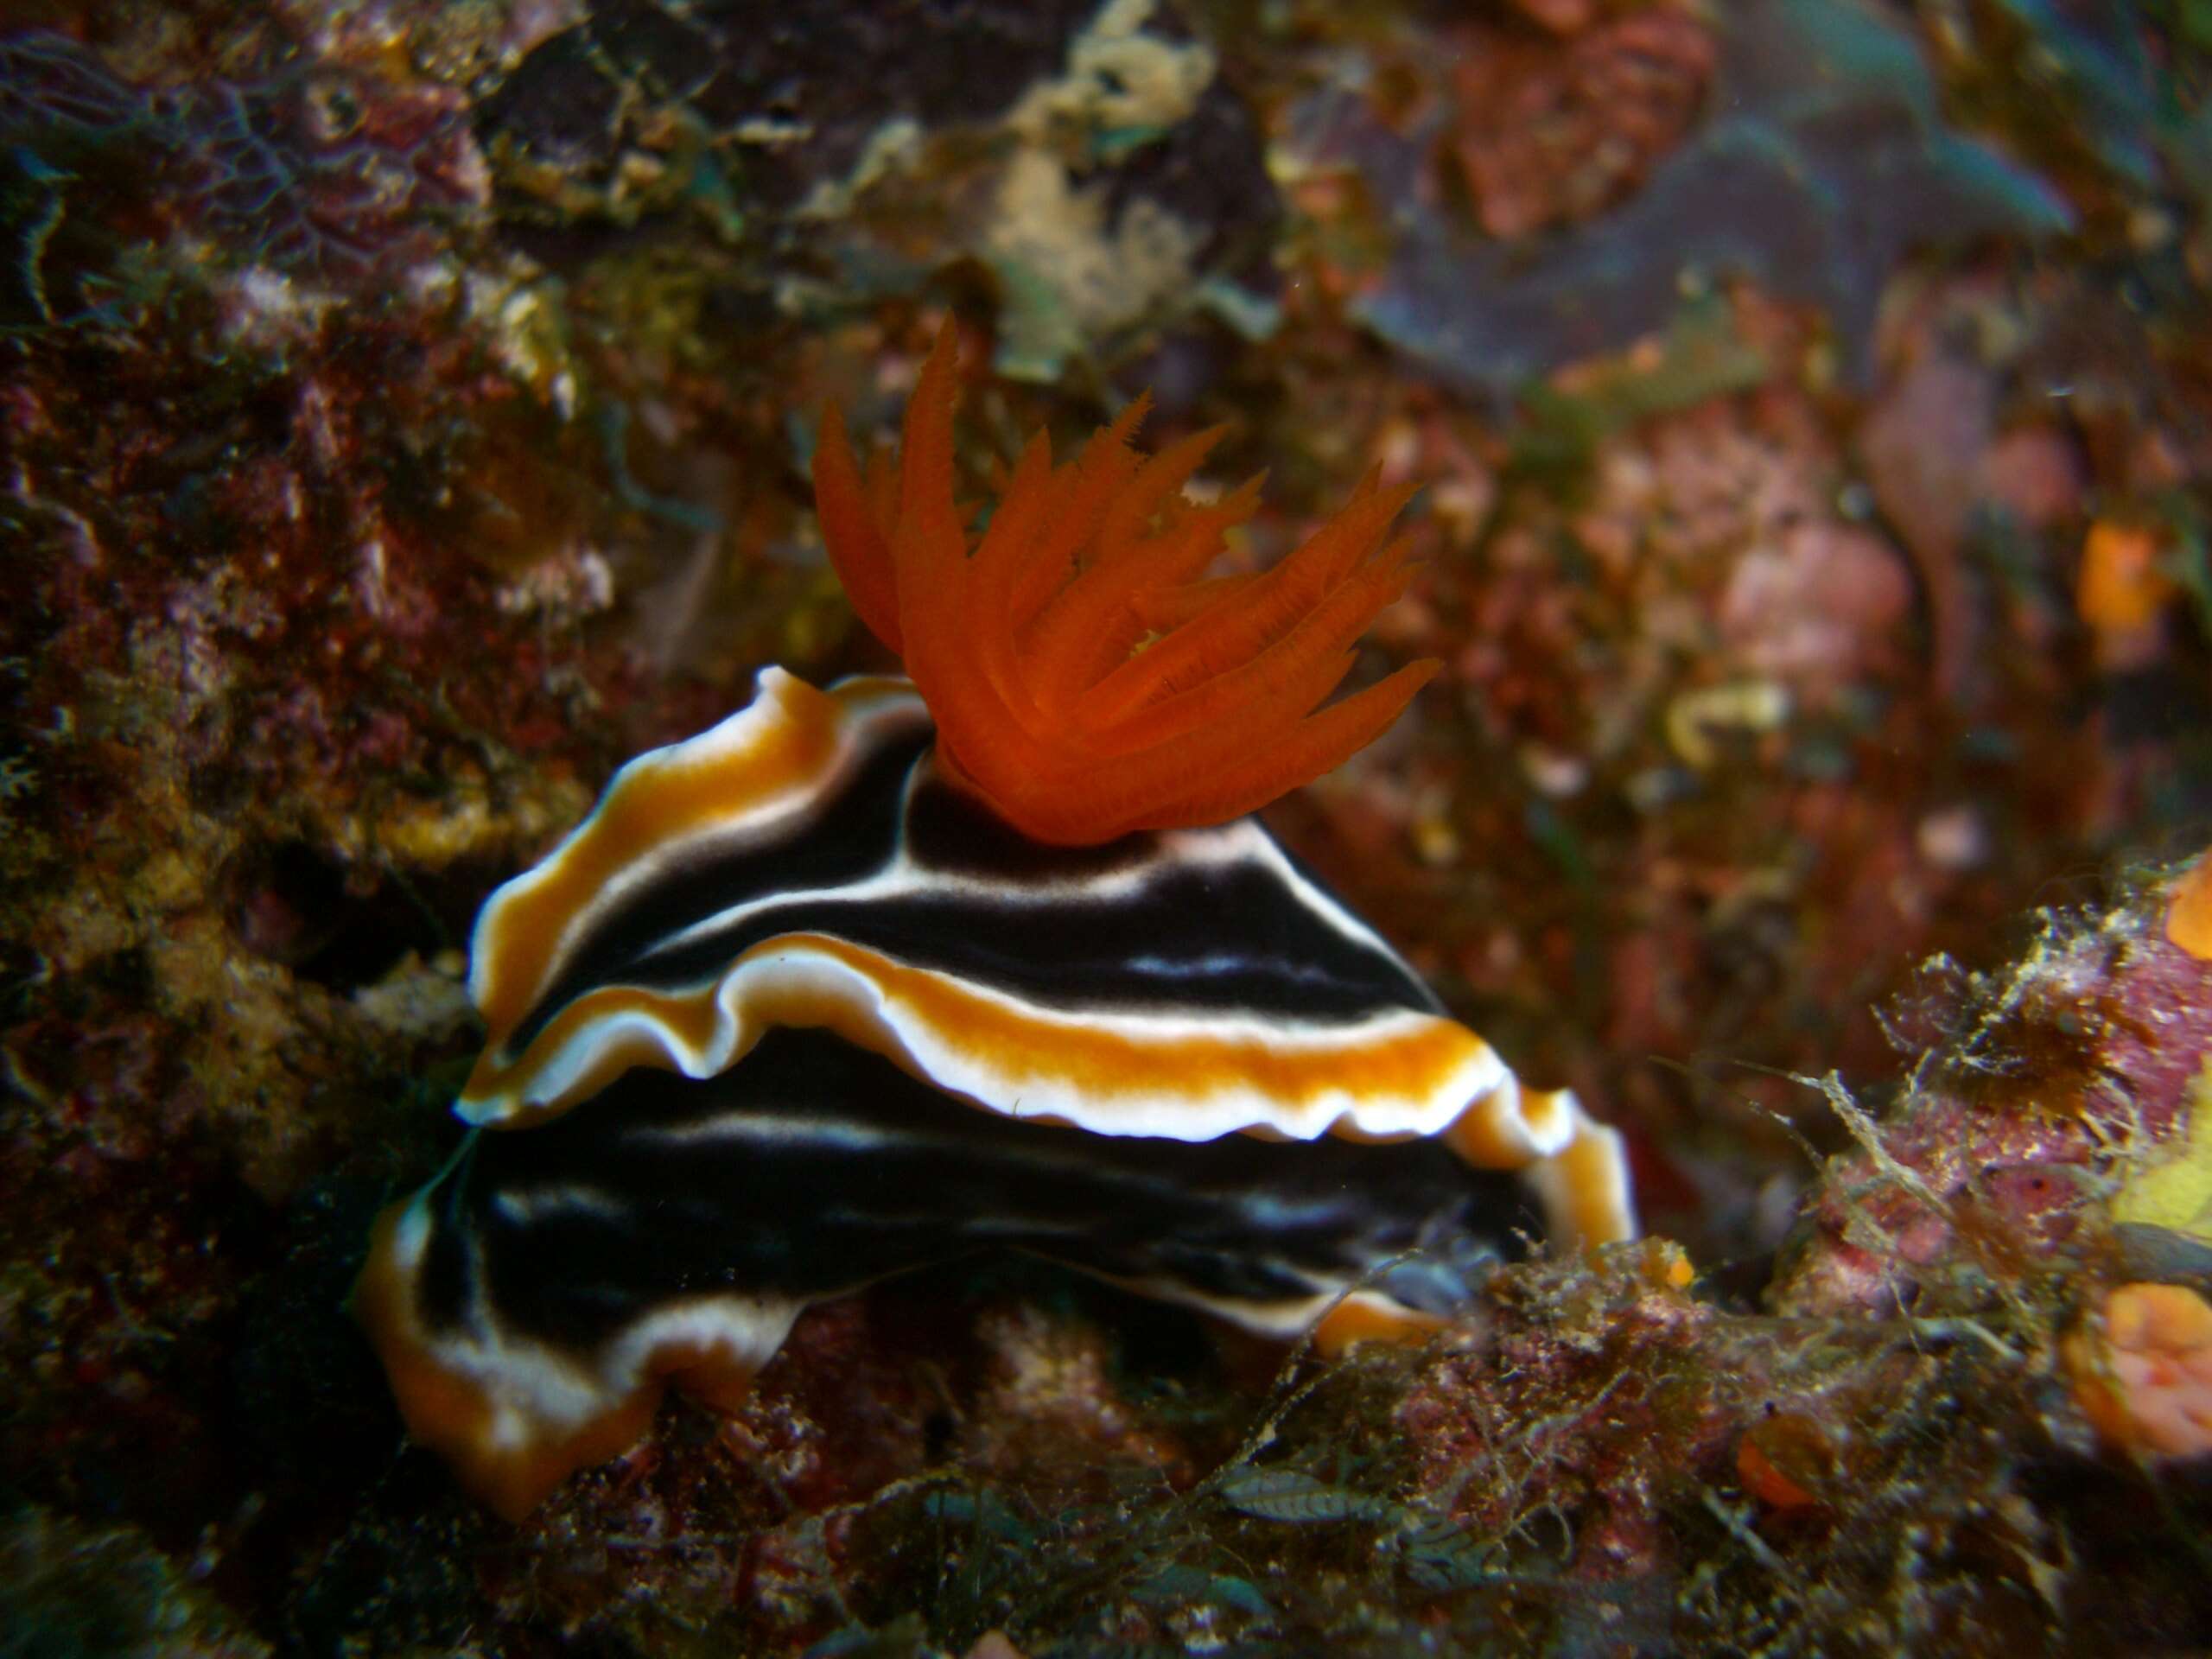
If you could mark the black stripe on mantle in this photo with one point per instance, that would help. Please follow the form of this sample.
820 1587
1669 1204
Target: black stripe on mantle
1217 921
814 1167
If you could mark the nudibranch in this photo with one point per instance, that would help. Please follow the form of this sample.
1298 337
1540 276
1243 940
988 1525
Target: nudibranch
866 978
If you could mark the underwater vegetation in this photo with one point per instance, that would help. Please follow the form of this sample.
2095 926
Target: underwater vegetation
1786 428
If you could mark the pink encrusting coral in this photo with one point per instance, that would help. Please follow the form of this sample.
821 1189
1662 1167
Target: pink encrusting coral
2012 1141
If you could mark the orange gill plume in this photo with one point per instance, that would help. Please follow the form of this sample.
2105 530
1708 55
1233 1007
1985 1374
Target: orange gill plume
1085 681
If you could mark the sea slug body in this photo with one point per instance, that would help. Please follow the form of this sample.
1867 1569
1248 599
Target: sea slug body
868 977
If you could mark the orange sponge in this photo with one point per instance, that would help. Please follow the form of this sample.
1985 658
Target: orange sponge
2147 1385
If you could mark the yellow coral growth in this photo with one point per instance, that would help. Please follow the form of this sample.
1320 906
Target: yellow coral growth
1085 682
2171 1185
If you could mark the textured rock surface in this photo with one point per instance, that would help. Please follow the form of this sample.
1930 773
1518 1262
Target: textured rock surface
404 412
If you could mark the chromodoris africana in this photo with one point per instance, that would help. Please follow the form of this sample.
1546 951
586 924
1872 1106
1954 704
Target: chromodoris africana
867 978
